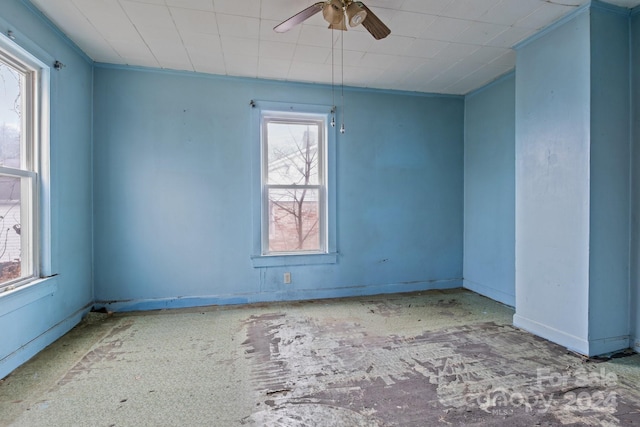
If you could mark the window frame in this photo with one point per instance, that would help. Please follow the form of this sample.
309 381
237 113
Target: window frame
261 256
34 164
294 118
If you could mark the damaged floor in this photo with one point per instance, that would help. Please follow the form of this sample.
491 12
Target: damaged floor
447 358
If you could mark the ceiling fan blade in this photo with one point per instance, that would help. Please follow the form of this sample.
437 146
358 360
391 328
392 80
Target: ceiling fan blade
299 17
373 24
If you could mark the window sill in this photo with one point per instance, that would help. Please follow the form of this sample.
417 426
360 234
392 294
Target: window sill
292 260
23 295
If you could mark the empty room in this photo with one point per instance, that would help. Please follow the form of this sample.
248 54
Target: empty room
334 213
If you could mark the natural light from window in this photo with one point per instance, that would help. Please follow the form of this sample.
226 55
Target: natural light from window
17 172
294 218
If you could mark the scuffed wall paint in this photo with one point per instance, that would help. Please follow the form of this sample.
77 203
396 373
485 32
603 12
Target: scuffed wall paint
173 188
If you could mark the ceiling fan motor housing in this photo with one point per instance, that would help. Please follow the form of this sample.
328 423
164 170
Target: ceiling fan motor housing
333 12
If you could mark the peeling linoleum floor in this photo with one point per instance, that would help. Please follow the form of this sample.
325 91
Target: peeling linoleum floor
437 358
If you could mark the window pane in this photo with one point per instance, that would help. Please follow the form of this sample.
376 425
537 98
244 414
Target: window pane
10 228
294 220
292 153
11 83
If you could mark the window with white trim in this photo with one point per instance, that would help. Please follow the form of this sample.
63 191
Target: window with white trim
294 190
21 113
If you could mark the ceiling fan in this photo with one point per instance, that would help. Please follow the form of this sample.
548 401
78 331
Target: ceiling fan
337 13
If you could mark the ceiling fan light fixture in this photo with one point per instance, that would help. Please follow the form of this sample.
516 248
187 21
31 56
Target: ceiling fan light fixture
333 12
355 14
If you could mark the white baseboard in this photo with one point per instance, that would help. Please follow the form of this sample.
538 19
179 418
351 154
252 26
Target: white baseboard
571 342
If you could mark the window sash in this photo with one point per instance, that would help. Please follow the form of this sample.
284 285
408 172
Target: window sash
296 119
34 108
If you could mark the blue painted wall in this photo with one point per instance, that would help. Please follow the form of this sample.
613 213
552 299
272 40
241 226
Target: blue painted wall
635 188
552 184
31 319
489 191
609 179
172 185
573 174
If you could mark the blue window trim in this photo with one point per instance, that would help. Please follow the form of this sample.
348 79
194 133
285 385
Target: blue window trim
12 300
257 258
41 285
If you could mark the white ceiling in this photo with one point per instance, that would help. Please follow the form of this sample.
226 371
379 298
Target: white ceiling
439 46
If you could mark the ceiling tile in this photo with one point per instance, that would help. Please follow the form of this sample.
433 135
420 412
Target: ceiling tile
195 21
424 48
160 35
309 72
444 46
445 29
510 37
241 65
350 57
457 51
107 17
238 26
469 9
544 15
147 15
239 46
508 11
487 54
131 49
432 7
363 76
392 45
275 50
270 68
279 10
171 53
480 33
410 24
355 40
376 60
245 8
201 5
159 2
316 36
209 62
205 42
311 54
477 78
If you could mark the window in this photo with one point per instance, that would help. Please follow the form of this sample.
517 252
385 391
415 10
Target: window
294 212
21 134
293 176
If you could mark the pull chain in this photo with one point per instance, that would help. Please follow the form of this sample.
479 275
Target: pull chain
333 86
342 130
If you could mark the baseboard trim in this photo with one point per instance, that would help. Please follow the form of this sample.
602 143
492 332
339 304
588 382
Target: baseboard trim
571 342
494 294
609 345
12 361
275 296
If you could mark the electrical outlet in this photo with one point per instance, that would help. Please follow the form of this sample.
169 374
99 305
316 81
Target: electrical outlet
287 278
